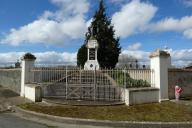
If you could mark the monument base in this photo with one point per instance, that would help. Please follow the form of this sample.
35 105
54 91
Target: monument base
91 65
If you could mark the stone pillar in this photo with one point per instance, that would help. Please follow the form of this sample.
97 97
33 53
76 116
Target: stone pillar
160 62
26 75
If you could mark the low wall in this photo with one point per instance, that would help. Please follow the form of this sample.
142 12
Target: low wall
134 96
33 92
181 77
11 78
82 92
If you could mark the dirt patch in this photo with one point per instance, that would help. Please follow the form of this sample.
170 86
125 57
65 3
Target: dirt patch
7 93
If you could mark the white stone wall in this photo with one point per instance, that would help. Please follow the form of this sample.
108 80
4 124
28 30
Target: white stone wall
134 96
11 78
33 92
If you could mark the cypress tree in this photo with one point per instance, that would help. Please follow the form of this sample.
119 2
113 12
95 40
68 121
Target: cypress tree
82 55
109 47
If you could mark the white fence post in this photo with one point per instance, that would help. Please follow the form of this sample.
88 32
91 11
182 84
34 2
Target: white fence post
160 62
26 75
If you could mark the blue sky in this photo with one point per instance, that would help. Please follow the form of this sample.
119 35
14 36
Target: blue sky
54 29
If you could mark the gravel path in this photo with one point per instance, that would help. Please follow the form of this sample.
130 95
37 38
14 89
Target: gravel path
9 98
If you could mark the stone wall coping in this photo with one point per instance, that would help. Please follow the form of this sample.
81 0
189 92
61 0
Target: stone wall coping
133 69
142 89
179 70
34 85
159 52
12 69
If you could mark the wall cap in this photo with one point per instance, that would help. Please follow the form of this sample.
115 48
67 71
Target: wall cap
28 56
159 52
142 89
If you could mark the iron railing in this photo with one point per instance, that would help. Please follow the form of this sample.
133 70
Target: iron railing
76 83
75 75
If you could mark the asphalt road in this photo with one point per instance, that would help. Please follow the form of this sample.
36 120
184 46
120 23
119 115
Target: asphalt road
8 120
14 120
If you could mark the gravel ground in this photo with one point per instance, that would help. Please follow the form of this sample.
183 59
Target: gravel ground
9 98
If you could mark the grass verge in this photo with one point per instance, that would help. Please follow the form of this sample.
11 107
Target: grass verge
165 111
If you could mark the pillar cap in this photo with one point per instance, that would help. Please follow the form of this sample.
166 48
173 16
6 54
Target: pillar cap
159 52
28 56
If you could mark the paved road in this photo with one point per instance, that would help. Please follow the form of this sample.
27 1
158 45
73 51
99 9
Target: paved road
11 121
15 120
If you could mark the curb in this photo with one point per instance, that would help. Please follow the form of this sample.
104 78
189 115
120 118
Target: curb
76 104
131 124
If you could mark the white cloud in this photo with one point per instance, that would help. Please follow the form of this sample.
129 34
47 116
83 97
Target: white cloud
134 51
138 54
135 46
136 16
133 18
10 57
172 24
182 25
56 57
188 3
42 57
188 33
183 54
179 58
67 23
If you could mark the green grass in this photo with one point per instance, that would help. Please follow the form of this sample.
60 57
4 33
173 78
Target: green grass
165 111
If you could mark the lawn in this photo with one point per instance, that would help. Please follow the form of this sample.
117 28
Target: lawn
165 111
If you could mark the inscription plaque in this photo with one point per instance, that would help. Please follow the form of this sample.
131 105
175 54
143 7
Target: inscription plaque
91 54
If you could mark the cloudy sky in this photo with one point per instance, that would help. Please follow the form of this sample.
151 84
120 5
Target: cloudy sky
54 30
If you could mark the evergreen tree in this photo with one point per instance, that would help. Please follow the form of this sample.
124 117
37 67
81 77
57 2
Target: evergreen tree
109 48
82 55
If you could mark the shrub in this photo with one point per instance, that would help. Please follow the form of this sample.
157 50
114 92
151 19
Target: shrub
124 78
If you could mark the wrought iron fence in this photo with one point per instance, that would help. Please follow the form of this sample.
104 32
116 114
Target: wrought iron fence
76 83
76 75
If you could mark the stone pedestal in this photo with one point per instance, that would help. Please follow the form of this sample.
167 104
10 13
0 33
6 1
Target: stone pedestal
160 62
92 63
